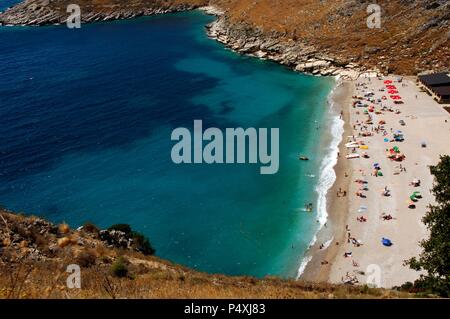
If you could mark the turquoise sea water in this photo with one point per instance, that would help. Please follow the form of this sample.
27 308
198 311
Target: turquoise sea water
85 123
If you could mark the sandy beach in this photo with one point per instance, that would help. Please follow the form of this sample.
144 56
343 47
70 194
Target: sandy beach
333 231
356 224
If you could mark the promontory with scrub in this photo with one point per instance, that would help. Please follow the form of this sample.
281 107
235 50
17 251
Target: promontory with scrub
326 37
119 263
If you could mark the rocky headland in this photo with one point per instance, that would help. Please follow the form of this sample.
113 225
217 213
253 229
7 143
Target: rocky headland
296 55
318 37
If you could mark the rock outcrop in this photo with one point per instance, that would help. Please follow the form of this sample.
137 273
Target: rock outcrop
299 56
411 36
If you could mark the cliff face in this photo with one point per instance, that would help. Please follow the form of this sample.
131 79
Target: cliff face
414 34
317 36
35 255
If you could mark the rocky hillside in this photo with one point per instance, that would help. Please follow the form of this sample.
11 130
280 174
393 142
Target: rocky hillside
117 263
325 37
43 12
414 34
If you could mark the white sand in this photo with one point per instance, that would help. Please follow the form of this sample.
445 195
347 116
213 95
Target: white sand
425 121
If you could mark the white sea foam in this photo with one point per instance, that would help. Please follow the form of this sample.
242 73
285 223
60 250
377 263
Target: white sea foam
303 265
328 175
327 243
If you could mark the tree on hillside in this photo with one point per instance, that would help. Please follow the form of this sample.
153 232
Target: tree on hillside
435 257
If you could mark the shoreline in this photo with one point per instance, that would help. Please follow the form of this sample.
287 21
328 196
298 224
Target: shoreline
299 58
336 209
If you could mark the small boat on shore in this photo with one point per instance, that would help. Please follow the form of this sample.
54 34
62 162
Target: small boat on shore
352 156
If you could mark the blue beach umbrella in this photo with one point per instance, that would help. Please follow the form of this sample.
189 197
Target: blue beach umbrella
386 242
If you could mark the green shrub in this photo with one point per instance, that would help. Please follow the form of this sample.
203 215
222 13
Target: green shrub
119 268
435 256
142 244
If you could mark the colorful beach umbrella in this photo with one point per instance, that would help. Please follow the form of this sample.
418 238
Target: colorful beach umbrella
386 242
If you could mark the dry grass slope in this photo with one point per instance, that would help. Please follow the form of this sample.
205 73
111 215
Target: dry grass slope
35 254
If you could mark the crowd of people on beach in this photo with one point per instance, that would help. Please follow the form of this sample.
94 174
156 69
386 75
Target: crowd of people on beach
369 123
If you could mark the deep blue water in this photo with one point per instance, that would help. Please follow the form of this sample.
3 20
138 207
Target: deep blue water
85 123
4 4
